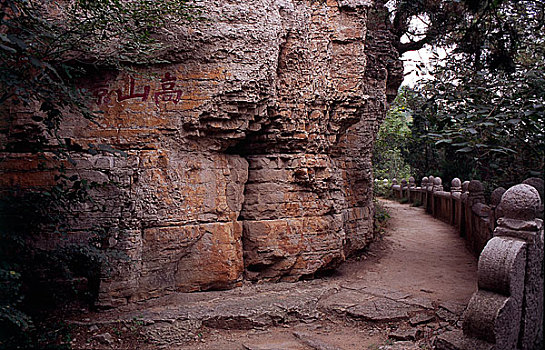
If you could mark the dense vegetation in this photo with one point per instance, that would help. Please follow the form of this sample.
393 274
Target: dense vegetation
481 115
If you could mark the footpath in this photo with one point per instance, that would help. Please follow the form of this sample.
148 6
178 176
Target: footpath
408 287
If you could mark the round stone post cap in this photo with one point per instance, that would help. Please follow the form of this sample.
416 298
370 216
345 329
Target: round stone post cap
520 202
495 196
475 186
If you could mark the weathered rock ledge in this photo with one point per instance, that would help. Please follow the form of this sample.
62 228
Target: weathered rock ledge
177 319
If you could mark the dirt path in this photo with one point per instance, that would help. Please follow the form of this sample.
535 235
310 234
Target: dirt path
420 255
407 287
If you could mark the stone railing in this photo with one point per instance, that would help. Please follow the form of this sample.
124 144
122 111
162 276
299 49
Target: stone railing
506 311
464 206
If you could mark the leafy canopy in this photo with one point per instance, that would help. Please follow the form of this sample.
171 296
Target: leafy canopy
481 115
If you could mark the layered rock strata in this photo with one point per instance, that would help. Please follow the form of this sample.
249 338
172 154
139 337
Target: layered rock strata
248 156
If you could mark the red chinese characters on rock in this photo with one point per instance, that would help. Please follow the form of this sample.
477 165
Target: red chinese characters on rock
102 94
144 95
168 92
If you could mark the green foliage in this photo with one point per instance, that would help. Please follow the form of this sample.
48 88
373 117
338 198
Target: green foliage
381 217
486 123
481 116
404 200
35 280
391 143
488 33
382 188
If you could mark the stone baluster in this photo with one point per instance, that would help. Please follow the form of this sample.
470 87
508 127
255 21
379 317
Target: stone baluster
395 188
464 211
411 190
424 182
437 184
494 312
456 204
506 312
423 192
520 205
539 185
465 186
495 211
404 188
476 192
477 212
431 182
429 194
456 187
436 203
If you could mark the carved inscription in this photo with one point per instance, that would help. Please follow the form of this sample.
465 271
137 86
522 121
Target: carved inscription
134 90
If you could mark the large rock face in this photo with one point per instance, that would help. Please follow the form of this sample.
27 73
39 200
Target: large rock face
248 156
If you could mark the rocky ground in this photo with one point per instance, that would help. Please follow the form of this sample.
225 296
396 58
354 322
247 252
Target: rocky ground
405 289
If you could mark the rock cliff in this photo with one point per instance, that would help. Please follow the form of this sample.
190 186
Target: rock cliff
248 155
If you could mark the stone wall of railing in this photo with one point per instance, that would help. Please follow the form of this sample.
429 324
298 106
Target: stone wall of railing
506 311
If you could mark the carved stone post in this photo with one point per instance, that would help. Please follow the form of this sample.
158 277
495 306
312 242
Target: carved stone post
539 185
395 188
429 194
506 312
423 192
456 203
495 211
411 191
520 205
495 310
476 214
456 186
465 186
476 192
463 200
437 184
404 188
437 200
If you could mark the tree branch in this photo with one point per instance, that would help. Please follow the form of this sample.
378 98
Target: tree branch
413 45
